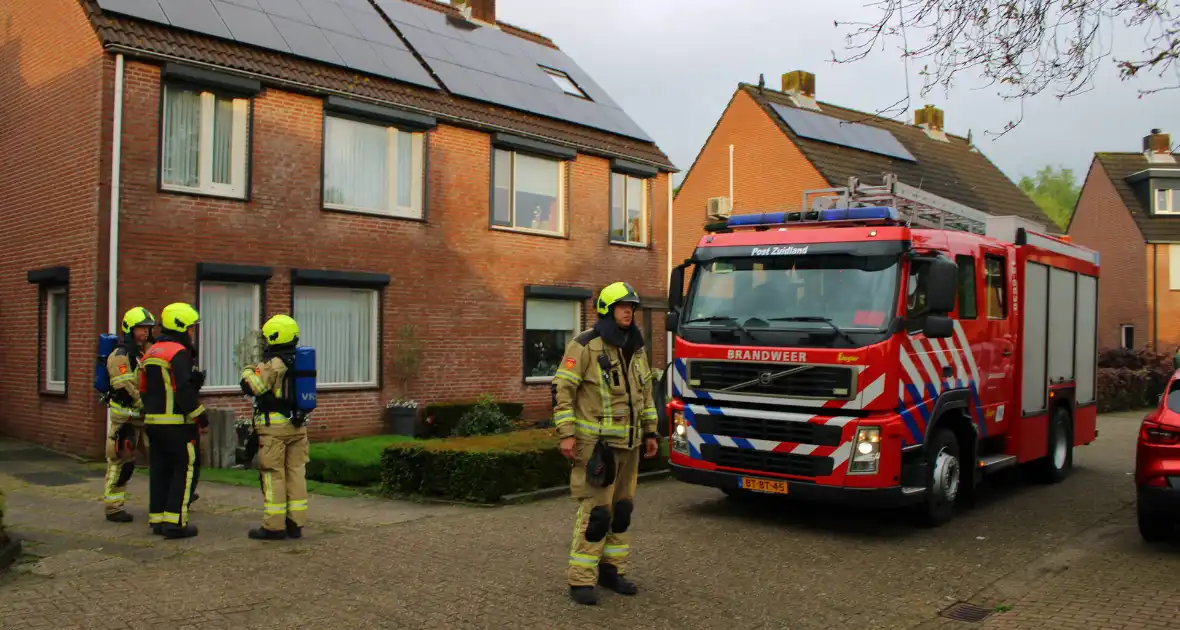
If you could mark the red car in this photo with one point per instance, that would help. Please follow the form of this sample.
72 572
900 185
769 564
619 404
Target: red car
1157 466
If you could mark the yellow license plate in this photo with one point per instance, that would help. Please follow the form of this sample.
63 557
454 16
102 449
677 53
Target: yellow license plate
764 485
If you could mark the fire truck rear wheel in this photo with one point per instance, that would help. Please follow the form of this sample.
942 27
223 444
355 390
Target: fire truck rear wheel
943 478
1058 460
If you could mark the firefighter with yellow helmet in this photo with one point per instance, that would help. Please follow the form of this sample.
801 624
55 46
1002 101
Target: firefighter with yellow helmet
604 414
127 438
281 433
175 418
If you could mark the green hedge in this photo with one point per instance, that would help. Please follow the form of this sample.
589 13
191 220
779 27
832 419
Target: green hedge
483 468
355 462
442 418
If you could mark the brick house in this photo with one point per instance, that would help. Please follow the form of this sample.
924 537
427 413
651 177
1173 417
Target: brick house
356 163
778 154
1129 211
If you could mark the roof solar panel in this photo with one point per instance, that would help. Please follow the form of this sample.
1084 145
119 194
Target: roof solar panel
853 135
346 33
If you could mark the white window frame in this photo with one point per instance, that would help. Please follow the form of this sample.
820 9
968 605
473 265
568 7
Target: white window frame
643 210
1171 198
579 315
561 196
50 345
417 175
203 347
238 151
374 334
1123 335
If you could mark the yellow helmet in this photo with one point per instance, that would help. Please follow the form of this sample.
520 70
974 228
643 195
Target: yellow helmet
613 294
179 317
280 329
136 317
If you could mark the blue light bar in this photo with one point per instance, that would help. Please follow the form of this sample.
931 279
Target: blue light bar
831 214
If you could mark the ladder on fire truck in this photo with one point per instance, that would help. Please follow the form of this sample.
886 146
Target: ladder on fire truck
914 205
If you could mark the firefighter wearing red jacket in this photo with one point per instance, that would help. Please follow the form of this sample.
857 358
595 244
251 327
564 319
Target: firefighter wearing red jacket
175 419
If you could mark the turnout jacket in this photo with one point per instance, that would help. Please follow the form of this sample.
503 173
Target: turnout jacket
264 382
598 393
123 372
166 385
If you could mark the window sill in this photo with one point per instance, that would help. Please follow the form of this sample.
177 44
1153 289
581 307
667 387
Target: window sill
538 380
56 391
201 192
373 213
630 244
347 387
221 390
529 232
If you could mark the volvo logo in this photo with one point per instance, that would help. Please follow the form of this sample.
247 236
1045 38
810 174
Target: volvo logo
765 378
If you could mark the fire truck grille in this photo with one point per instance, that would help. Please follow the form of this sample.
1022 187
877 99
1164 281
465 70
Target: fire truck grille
817 381
773 430
766 461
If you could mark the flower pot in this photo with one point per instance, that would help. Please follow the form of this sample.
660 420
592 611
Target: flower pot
401 420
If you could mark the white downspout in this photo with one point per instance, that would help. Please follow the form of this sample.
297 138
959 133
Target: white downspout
116 159
667 334
731 206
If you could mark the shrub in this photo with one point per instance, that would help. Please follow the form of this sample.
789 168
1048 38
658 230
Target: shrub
483 468
442 418
1131 379
355 462
3 535
484 419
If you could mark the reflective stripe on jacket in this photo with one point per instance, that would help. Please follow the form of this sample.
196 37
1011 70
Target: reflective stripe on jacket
165 385
614 403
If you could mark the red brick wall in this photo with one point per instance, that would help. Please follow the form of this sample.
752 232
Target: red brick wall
462 283
1102 222
769 172
51 75
1158 265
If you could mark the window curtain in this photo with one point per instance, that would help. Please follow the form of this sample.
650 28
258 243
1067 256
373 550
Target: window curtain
356 165
340 325
502 204
223 130
549 325
537 193
618 192
182 137
228 316
634 210
57 328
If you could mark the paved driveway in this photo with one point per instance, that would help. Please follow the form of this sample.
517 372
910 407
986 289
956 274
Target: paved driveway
701 560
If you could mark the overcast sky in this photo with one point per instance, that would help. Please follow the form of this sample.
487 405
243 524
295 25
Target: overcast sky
674 64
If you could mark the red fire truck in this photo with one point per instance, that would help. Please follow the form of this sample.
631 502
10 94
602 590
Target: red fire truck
884 346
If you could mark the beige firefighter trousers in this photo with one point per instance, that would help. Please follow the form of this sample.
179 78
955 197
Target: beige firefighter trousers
282 470
120 469
601 529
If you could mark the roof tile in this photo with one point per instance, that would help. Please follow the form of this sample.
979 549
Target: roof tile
948 169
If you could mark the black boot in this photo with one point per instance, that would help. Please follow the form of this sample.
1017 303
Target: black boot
263 533
176 531
293 530
120 517
193 498
609 577
584 595
158 529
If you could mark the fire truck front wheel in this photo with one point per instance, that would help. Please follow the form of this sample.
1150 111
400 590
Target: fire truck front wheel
943 478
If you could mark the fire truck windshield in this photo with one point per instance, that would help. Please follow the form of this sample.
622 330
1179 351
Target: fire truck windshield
827 296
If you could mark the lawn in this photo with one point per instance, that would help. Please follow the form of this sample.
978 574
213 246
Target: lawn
249 478
355 462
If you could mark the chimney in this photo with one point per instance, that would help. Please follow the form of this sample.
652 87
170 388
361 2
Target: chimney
800 86
482 10
1157 146
929 118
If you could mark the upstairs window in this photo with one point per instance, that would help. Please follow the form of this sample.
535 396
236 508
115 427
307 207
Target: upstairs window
373 168
1167 201
203 145
529 192
628 210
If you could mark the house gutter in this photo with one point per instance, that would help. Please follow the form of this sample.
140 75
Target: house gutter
116 159
1155 297
351 95
668 280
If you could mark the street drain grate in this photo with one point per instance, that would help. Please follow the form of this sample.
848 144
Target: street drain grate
963 611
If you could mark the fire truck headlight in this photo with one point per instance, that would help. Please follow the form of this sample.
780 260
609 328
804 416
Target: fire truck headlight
866 451
679 439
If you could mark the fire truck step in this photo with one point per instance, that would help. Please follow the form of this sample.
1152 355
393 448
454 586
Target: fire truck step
996 462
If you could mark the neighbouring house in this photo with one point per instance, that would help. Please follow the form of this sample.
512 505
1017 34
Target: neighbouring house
1129 211
361 164
785 142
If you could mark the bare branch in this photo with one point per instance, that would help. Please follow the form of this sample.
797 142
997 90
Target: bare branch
1025 46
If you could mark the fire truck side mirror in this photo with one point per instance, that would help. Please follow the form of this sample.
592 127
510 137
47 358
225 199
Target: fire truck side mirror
676 289
941 286
938 326
672 321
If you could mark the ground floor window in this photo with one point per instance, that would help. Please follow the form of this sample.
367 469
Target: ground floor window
56 342
549 326
342 325
230 314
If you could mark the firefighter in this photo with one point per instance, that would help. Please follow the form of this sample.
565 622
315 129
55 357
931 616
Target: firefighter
605 364
282 434
175 419
127 437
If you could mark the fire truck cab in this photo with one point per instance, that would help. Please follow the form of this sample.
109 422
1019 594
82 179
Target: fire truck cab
888 349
